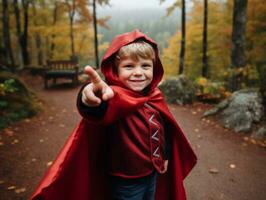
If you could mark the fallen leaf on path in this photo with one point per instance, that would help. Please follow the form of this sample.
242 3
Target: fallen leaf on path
64 110
20 190
9 132
11 187
199 110
262 144
62 125
253 141
246 138
1 182
198 146
15 141
232 166
196 130
27 120
244 144
49 163
199 136
213 170
33 159
194 112
41 140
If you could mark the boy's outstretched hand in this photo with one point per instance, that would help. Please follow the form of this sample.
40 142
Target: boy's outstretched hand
97 90
165 167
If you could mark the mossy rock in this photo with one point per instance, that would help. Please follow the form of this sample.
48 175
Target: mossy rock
178 90
21 103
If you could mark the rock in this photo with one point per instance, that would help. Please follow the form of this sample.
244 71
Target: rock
240 110
260 133
178 90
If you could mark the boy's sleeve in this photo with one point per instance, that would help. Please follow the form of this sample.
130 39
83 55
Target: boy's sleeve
167 142
84 110
168 146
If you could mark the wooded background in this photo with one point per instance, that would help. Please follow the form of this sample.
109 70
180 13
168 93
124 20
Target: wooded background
220 40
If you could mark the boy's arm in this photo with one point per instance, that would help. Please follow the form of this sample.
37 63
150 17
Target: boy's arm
97 111
92 98
168 143
168 146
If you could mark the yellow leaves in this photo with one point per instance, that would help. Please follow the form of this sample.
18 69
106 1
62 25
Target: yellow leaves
254 141
202 81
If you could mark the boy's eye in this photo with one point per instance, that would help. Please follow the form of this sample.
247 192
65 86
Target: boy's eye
128 66
146 66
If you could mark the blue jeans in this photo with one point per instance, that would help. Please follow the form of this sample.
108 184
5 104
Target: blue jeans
134 189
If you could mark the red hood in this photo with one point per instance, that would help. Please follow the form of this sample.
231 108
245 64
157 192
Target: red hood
120 41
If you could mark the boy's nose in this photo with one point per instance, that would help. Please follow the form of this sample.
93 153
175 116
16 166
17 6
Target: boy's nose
137 70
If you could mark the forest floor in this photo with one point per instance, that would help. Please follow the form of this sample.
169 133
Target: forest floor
230 166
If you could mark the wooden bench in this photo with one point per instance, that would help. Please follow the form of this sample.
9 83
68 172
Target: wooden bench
61 69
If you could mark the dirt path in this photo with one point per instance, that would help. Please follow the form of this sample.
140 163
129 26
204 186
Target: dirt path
28 147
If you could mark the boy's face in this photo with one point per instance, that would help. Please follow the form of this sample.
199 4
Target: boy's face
135 74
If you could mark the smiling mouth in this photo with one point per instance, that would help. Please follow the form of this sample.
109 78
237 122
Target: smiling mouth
136 80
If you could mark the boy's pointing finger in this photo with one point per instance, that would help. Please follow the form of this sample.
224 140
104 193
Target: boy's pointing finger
94 76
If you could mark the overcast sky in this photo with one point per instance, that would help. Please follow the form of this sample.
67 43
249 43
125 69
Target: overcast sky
116 4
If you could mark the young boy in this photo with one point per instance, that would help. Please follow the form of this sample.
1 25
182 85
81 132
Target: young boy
128 145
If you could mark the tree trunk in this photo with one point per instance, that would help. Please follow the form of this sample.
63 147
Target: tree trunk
95 34
205 69
183 39
238 57
24 37
38 39
71 14
8 54
19 34
52 47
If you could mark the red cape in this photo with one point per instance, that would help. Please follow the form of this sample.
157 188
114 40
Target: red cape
79 171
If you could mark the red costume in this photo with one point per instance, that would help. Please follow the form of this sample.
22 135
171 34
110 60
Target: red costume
80 170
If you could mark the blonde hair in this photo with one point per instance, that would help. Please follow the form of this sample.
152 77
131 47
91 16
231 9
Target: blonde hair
134 51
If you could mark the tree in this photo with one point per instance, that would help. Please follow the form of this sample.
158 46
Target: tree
219 42
52 46
95 34
7 50
95 21
204 41
256 44
22 35
183 38
182 4
37 36
71 5
238 57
